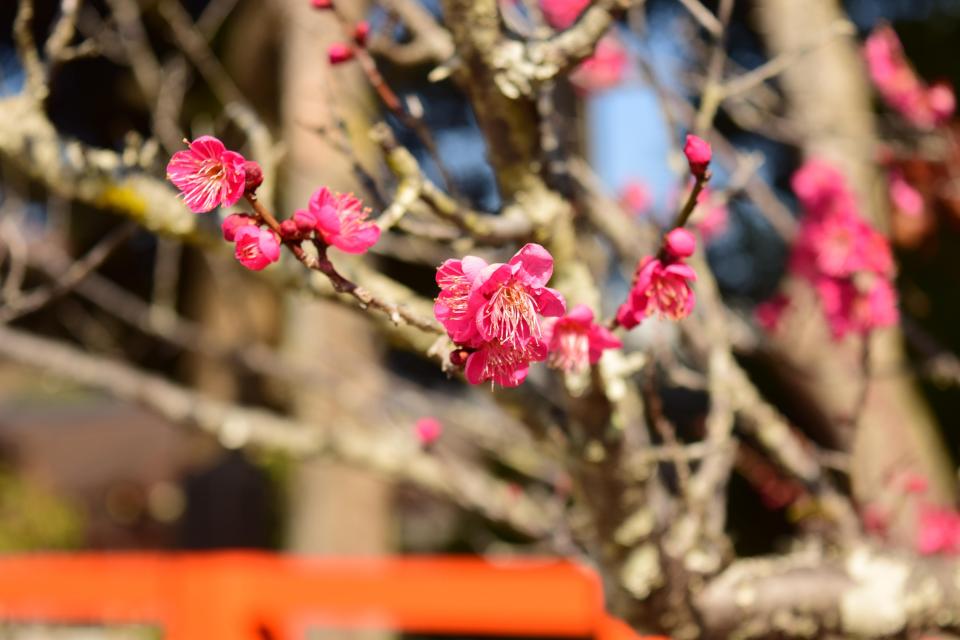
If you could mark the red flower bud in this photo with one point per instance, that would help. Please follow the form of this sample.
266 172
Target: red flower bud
458 357
289 230
698 154
321 4
253 176
680 243
338 53
360 33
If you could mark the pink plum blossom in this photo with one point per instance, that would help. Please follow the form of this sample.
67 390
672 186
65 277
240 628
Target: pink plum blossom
560 14
340 220
256 247
938 531
698 154
428 430
495 310
658 288
905 198
207 174
603 70
897 82
575 341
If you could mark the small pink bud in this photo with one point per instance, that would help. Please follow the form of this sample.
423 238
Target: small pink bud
305 220
361 32
458 357
698 154
321 4
253 176
680 243
233 222
428 430
338 53
289 229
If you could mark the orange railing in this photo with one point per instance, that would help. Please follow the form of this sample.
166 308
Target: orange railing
247 595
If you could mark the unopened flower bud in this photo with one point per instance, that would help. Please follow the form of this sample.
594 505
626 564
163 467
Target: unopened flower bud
253 176
339 52
321 4
233 222
680 243
361 32
698 153
288 229
458 357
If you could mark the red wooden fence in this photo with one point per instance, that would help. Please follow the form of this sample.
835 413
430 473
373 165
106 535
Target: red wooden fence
249 595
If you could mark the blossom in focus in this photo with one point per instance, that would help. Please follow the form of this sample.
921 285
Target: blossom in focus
905 198
340 220
495 311
256 247
605 69
207 174
635 197
428 430
560 14
938 531
897 82
576 341
698 154
661 288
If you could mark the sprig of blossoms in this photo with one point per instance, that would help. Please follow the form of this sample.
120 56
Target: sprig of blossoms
209 175
897 82
848 263
494 313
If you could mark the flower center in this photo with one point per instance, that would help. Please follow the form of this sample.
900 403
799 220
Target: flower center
511 314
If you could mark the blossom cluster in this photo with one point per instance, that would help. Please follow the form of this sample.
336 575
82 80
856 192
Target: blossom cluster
919 104
661 284
497 314
847 261
209 175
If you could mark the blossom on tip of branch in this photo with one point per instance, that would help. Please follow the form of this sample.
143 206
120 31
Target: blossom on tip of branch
339 52
428 430
361 32
659 287
256 247
340 220
252 176
680 243
576 341
207 174
698 153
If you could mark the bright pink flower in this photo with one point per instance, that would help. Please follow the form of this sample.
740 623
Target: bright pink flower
680 243
340 220
560 14
658 288
575 341
938 531
494 311
207 174
503 364
897 82
904 197
428 430
604 69
698 153
256 247
338 52
233 222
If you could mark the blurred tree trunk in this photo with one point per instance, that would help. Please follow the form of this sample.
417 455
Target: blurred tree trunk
335 509
828 97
